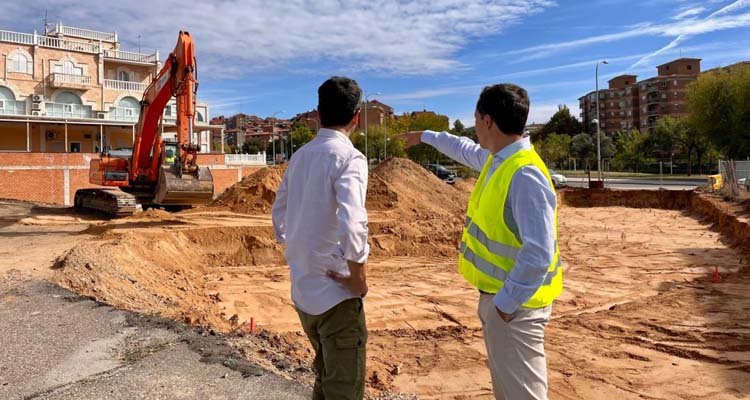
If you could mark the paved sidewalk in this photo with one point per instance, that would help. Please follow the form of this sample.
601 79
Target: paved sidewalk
58 345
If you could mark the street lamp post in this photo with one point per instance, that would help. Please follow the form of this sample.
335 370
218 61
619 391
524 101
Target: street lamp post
598 126
367 101
273 135
385 139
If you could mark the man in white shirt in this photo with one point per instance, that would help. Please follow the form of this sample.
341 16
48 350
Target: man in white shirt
320 215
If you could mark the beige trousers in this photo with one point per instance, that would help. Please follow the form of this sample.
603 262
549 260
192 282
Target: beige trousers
515 351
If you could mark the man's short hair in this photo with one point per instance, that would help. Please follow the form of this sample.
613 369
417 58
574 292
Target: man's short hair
338 101
508 106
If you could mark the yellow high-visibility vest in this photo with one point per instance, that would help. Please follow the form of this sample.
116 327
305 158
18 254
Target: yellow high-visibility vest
488 247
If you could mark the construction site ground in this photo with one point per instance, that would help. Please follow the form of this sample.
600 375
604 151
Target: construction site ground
642 315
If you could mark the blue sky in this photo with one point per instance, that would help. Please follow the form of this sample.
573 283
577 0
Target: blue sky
260 57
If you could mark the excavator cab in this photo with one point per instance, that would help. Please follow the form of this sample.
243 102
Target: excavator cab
170 153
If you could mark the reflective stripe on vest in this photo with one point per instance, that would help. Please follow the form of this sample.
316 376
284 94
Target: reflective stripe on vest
497 248
497 272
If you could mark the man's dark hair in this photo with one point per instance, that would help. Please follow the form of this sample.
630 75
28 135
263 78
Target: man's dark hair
508 106
338 101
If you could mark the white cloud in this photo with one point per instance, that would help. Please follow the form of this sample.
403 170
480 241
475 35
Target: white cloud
721 20
713 22
689 12
234 37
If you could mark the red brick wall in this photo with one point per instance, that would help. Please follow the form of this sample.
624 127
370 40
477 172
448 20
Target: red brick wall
210 159
44 186
46 159
40 177
223 178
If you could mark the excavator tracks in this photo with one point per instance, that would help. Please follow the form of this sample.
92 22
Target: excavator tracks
113 202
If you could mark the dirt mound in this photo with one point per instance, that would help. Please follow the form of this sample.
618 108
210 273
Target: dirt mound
166 272
398 183
465 185
426 214
255 193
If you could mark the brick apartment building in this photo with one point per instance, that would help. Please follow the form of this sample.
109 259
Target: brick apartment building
240 128
630 104
67 94
374 113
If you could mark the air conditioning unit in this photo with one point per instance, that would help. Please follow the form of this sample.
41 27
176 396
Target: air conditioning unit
51 135
37 98
101 115
36 106
36 113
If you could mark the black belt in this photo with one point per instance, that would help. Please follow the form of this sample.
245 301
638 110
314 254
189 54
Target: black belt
483 292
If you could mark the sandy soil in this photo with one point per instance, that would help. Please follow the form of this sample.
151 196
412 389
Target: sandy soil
640 316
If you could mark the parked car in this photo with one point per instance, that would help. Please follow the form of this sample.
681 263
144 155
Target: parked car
558 179
441 172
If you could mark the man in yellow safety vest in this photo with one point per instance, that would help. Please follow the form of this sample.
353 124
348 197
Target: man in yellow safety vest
508 250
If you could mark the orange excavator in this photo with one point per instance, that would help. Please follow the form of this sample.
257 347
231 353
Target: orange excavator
157 173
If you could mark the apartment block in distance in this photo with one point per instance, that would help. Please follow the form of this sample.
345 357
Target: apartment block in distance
630 104
66 95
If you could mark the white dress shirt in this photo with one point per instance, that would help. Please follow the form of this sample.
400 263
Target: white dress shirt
319 212
529 213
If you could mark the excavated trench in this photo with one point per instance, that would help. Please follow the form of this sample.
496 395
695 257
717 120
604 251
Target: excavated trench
640 309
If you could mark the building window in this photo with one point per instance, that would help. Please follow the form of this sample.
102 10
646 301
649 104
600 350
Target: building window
75 147
675 83
19 63
123 76
689 67
68 68
68 98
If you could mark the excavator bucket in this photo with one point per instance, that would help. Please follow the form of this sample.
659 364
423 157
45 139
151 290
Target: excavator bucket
188 189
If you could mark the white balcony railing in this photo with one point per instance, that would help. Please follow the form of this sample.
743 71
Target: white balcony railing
125 85
12 107
16 37
68 110
124 114
67 80
60 29
131 56
245 159
65 44
75 45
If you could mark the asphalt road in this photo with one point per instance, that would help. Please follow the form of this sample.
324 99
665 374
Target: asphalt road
641 184
58 345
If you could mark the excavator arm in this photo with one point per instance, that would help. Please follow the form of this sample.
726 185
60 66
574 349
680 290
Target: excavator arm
182 182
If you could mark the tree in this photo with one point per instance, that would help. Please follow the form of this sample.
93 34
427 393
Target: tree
555 149
719 106
458 128
678 134
631 149
380 139
253 146
301 134
423 153
561 123
582 146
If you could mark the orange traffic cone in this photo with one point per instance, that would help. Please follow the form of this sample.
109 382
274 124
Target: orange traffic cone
717 277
